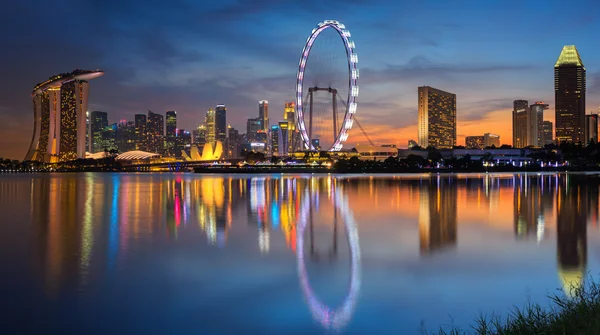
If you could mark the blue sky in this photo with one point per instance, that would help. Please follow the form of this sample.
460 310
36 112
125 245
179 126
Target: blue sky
191 55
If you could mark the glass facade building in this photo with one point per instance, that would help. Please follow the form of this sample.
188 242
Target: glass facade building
437 118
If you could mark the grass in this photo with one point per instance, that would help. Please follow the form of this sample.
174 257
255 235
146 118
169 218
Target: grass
577 314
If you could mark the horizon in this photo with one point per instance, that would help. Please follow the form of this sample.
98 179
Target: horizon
167 58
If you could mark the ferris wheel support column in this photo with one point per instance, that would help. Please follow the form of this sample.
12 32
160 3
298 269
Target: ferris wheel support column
334 95
310 93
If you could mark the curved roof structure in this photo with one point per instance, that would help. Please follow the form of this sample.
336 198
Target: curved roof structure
97 155
209 152
136 155
59 79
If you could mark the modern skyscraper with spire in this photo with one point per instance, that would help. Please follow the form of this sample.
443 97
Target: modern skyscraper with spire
569 93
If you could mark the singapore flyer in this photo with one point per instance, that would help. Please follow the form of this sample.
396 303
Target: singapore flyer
328 317
326 87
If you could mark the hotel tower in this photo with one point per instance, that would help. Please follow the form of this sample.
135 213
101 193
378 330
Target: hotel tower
59 108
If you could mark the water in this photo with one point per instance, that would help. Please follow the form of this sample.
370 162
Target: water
272 254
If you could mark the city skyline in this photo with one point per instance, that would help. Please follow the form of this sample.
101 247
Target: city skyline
171 70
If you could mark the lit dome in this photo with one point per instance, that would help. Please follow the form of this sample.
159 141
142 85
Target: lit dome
136 155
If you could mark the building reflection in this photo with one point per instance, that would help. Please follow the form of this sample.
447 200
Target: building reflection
571 231
528 207
437 214
88 223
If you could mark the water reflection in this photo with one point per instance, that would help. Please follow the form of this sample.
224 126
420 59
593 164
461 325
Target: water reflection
437 214
89 228
328 317
571 226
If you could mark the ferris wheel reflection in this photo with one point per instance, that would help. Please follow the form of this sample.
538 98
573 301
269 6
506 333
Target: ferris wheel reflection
328 317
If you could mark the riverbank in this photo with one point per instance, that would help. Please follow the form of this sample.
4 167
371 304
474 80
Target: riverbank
578 314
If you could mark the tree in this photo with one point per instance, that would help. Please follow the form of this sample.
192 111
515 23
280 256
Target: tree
433 155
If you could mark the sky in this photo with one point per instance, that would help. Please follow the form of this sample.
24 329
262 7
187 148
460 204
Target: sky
190 55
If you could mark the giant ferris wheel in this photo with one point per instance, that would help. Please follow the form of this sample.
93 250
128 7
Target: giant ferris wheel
327 75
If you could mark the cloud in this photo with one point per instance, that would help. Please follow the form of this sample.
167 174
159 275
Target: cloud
421 67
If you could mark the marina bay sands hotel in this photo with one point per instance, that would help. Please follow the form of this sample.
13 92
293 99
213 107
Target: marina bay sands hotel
59 106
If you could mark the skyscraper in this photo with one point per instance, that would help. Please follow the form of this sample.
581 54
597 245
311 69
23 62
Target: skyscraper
155 133
263 114
60 106
182 142
211 134
171 133
569 93
125 139
221 123
252 128
519 120
284 139
293 137
140 132
200 135
548 138
98 121
591 128
437 118
535 124
275 140
233 143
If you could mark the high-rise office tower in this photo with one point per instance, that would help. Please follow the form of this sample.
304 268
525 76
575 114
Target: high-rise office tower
171 132
109 138
140 132
491 140
437 118
98 121
233 142
253 126
535 124
548 138
183 142
209 121
289 115
155 133
59 108
284 138
199 137
591 128
519 120
125 139
275 140
263 113
221 123
569 93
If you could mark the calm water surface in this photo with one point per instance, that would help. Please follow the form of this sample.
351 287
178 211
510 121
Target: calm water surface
279 254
